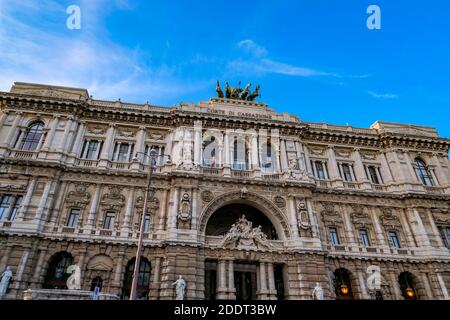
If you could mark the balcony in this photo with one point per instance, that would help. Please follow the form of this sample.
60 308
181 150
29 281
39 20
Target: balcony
241 174
119 165
378 187
211 171
25 155
87 163
323 183
272 176
351 185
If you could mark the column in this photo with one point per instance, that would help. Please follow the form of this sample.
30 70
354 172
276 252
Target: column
263 281
27 199
362 284
349 228
333 168
56 210
427 285
156 283
37 271
51 134
194 208
162 210
436 233
12 131
231 288
140 141
312 218
292 212
197 142
442 177
20 270
67 132
359 170
108 145
411 169
128 213
300 156
78 144
307 160
93 209
43 201
117 277
283 156
254 153
5 258
442 285
396 286
173 212
388 178
271 278
378 230
393 159
226 143
420 231
221 281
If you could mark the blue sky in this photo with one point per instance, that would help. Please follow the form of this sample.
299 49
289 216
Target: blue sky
313 58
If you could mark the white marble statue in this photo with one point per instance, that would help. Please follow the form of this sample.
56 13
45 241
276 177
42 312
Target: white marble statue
180 287
74 281
4 283
317 292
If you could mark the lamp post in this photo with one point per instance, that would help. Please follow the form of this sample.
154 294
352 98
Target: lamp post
153 155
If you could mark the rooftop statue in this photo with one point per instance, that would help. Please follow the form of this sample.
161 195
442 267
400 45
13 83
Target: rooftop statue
238 93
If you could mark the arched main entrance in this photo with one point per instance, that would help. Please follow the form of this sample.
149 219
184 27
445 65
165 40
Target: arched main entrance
57 275
238 229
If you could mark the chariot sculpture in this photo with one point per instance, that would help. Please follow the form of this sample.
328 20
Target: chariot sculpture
238 93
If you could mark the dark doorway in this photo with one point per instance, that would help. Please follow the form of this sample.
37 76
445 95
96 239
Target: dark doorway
245 281
143 279
57 275
210 279
279 281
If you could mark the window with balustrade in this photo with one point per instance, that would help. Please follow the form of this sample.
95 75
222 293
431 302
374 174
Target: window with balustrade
123 152
373 173
346 172
423 173
320 169
445 235
91 149
9 206
159 153
241 154
30 140
364 237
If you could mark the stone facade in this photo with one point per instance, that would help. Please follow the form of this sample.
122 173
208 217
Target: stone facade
337 199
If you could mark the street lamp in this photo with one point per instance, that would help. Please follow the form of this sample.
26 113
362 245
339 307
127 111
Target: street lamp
153 155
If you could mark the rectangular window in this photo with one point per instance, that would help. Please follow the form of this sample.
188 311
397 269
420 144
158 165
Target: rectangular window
73 218
445 234
123 152
90 149
5 205
320 171
334 238
108 223
346 173
364 237
394 239
148 149
15 208
147 223
373 174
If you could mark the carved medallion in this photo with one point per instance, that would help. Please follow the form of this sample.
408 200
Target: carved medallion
280 202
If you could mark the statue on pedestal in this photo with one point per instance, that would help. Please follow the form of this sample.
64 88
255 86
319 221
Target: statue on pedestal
4 283
180 287
317 292
74 281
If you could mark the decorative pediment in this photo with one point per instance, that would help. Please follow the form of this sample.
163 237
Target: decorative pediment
317 150
152 206
359 216
155 135
343 153
100 263
113 200
389 219
369 155
242 235
78 197
329 214
11 187
126 132
97 129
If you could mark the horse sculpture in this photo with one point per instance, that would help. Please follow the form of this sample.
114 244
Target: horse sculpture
245 92
219 90
254 94
237 92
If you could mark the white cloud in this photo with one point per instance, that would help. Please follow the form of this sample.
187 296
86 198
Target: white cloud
383 95
86 58
260 63
253 48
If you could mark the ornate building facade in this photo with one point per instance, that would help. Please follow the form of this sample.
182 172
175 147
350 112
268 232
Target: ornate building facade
246 203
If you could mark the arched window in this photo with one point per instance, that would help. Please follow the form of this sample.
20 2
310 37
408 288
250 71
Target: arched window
342 284
143 279
56 273
32 136
407 285
97 282
423 173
